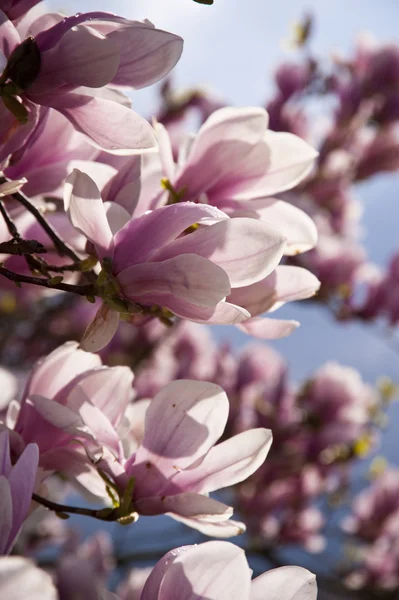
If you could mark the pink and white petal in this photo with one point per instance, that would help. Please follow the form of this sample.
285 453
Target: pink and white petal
109 125
50 374
83 57
285 284
221 145
20 578
187 505
85 208
10 187
124 188
22 483
285 583
294 224
223 529
152 585
187 276
146 54
61 417
184 420
101 330
291 160
165 149
117 216
94 419
228 463
268 329
247 249
223 313
212 570
164 224
6 514
110 389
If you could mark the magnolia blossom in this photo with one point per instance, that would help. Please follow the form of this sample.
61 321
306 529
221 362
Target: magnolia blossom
216 570
177 463
72 408
154 260
236 164
17 483
62 58
21 579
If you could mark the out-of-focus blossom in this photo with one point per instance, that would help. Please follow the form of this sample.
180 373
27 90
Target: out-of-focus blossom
21 579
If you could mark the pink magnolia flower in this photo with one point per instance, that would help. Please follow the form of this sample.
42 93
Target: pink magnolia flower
71 408
155 261
236 164
17 483
216 570
64 57
177 463
21 579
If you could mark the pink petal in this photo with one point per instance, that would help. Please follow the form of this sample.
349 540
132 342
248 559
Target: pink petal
5 459
22 484
187 276
110 389
165 224
223 529
83 203
83 57
285 583
293 223
228 463
61 417
222 143
116 215
52 373
182 423
268 329
223 313
101 330
285 284
186 505
213 570
291 160
109 125
247 249
146 54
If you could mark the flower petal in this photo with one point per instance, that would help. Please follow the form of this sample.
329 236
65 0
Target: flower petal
85 208
285 583
228 463
268 329
187 276
247 249
101 330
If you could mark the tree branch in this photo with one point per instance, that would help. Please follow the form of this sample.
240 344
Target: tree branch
81 290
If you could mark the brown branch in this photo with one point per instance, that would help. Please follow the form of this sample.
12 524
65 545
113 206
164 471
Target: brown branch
81 290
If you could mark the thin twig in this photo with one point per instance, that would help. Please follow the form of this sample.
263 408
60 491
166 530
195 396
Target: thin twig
82 290
103 514
62 247
9 222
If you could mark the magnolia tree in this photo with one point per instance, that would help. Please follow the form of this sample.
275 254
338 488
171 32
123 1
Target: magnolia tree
120 240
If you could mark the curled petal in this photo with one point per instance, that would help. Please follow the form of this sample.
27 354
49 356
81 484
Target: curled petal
101 330
268 329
